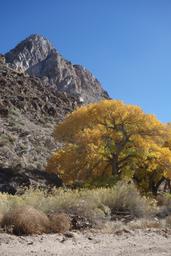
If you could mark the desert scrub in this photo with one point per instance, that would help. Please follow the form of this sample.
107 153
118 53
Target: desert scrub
13 111
164 203
25 221
146 223
6 139
124 197
93 204
59 222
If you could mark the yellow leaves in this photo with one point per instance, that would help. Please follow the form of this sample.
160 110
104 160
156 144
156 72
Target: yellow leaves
62 160
165 161
109 113
88 135
110 138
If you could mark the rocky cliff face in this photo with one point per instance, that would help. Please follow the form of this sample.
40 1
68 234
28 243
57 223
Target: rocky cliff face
37 57
29 52
29 111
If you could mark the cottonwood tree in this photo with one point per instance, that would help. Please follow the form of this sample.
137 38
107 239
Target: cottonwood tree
108 139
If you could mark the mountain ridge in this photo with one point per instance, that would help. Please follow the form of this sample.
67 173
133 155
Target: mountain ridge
36 56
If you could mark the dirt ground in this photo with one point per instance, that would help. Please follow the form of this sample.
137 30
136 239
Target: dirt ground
138 243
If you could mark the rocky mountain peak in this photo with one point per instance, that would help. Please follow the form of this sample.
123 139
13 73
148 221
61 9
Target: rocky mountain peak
29 52
36 56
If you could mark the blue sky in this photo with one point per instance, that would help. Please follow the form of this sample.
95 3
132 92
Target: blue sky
126 44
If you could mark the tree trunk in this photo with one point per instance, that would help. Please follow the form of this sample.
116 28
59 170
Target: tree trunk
153 187
115 167
167 186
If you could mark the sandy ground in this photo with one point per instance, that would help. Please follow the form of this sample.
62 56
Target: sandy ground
88 243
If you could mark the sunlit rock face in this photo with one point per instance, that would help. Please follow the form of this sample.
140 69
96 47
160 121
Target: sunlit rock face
36 56
29 52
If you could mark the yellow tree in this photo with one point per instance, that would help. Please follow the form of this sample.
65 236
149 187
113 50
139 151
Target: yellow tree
155 169
104 139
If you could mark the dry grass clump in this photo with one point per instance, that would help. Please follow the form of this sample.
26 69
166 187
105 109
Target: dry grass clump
25 221
164 203
118 227
143 223
59 222
111 227
126 198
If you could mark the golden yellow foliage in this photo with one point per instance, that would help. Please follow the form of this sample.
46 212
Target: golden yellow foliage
109 139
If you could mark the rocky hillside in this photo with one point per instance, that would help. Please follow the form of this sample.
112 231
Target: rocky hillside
37 89
28 113
37 57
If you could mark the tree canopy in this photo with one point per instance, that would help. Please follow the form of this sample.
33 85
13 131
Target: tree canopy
110 139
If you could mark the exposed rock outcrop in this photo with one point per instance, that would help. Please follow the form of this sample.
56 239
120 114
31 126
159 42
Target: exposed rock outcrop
29 52
36 56
28 112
